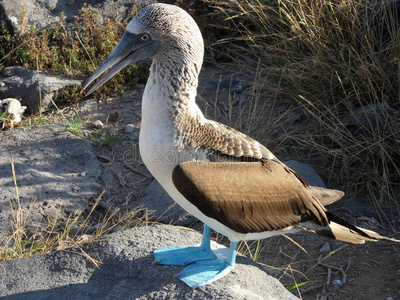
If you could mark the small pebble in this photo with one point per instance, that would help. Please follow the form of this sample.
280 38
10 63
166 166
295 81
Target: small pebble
113 116
325 248
134 137
98 124
129 128
238 87
337 282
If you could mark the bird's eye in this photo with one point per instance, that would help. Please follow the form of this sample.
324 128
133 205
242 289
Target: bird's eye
145 37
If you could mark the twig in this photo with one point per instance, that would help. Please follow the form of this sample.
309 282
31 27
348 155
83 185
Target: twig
344 275
120 179
294 242
77 35
136 171
328 279
310 289
128 198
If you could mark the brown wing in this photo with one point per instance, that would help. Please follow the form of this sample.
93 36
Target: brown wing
248 196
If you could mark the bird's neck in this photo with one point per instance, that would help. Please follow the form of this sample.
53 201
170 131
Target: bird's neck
171 87
168 104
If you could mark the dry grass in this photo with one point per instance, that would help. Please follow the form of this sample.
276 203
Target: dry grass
76 53
62 233
325 56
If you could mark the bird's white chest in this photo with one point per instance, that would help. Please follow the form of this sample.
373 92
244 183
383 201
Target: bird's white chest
156 141
160 146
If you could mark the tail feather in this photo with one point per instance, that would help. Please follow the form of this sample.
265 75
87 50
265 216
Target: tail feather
324 195
342 230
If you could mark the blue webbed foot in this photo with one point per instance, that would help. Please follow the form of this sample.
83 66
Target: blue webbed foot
205 272
181 255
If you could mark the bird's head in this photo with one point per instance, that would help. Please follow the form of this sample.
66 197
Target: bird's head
163 32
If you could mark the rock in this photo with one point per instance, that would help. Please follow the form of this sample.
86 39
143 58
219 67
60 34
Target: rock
129 128
325 248
234 84
42 13
22 83
127 271
238 87
307 172
337 282
134 137
88 105
163 208
48 162
367 120
98 124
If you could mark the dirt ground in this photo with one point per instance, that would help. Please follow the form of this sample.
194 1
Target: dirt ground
369 271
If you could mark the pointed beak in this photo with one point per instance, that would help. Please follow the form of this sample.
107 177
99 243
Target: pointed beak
131 48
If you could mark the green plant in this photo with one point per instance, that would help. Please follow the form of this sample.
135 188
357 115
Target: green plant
2 116
72 94
45 119
74 125
105 138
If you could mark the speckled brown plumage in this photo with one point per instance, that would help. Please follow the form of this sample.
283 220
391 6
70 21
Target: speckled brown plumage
220 139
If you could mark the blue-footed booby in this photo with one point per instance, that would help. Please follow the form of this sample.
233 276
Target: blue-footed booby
226 179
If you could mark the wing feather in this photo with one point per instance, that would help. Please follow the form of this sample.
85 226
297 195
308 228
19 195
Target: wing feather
248 196
224 139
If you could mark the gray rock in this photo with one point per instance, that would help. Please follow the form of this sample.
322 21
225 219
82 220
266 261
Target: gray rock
236 84
127 272
239 87
129 128
134 137
42 13
307 172
163 207
48 165
325 248
98 124
22 83
337 282
366 120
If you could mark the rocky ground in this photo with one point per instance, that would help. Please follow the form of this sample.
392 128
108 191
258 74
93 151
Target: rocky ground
127 272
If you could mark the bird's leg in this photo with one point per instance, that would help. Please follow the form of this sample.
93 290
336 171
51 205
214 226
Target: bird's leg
179 255
205 272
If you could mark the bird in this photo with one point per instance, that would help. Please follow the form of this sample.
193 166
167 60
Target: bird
223 177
